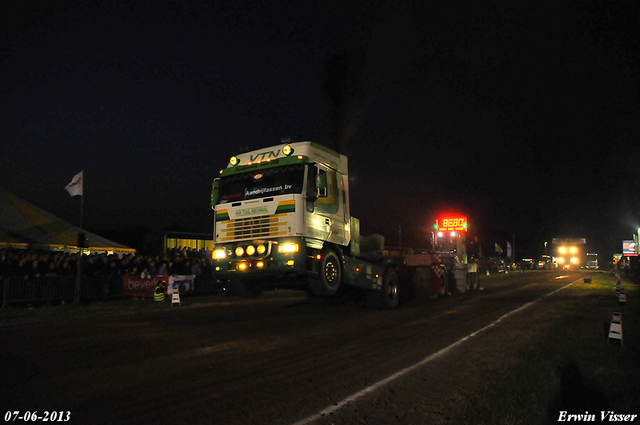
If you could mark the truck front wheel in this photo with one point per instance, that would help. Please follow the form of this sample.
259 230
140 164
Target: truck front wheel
330 277
444 282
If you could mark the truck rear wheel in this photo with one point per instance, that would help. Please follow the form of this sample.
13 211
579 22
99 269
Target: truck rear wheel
390 294
330 277
418 285
473 281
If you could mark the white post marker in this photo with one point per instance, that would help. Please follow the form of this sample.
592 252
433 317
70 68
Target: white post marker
175 297
615 330
622 298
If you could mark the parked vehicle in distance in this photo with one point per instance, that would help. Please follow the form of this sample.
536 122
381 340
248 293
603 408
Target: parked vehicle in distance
545 262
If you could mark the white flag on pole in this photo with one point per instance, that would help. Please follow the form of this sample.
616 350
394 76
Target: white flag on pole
75 187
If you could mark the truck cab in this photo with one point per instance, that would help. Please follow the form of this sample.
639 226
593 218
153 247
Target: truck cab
278 212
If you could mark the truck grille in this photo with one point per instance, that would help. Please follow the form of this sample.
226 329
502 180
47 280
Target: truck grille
254 227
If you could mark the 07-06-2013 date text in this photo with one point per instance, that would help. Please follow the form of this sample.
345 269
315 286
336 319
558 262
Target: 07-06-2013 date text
46 416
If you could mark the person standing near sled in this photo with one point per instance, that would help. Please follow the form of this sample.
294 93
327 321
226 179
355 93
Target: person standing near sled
158 293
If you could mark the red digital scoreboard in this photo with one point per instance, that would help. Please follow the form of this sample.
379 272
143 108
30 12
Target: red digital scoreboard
452 224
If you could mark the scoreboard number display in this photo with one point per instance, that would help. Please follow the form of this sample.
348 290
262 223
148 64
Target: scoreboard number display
452 224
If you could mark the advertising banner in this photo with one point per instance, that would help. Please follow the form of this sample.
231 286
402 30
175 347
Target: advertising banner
135 286
569 241
629 249
184 282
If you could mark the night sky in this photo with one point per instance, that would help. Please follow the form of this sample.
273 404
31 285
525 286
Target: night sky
524 116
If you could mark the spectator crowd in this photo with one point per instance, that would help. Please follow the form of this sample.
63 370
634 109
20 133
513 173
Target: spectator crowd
32 264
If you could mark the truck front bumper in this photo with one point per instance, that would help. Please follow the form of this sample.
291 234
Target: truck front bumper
256 259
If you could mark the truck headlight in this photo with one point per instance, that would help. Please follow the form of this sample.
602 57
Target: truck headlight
261 249
219 254
288 248
239 251
251 250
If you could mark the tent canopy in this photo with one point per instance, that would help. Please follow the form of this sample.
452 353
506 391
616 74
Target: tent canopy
24 225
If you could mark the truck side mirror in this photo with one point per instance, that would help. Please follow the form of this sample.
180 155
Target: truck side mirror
214 192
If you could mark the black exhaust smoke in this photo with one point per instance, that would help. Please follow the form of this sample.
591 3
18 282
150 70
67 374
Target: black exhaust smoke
347 83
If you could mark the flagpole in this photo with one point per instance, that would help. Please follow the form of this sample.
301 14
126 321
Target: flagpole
75 188
82 200
81 239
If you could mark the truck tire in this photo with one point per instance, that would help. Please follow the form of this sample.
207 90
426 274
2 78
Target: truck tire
418 285
328 282
245 289
473 277
468 282
390 293
444 282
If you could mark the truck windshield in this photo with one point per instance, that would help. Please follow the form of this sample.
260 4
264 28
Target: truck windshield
262 183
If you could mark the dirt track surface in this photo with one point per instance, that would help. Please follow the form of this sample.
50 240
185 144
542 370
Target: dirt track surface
272 361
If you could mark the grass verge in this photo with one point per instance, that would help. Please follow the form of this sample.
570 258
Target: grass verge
559 359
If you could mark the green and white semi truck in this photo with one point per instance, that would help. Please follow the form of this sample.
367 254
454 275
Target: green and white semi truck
282 220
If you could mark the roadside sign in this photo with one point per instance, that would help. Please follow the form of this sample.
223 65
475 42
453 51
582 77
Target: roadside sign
615 329
175 297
